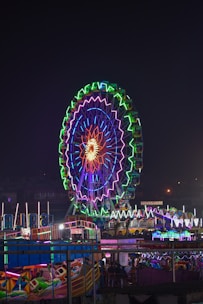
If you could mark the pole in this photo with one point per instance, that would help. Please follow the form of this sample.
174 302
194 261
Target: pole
52 262
2 216
69 283
15 218
38 215
93 276
48 212
173 265
26 214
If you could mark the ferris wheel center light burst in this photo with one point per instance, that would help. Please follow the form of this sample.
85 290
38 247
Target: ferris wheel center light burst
92 149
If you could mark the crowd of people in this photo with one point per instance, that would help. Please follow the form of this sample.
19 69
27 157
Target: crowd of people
115 275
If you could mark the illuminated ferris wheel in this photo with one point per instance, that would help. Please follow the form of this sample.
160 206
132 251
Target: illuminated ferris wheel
100 146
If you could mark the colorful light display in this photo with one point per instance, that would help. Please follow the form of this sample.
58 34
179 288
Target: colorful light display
100 146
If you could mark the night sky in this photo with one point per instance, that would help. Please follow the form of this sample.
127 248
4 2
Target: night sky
152 49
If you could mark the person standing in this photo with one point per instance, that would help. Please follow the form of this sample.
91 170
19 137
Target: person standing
132 275
111 275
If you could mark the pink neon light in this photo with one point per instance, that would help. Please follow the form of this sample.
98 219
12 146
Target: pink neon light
13 274
74 186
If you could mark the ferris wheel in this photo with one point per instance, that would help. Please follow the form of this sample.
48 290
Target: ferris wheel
100 145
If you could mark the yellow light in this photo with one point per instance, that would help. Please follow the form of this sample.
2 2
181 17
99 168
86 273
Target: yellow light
92 149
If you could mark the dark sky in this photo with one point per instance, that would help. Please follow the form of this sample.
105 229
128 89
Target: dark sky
153 49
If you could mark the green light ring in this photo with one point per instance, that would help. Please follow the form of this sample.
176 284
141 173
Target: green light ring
123 101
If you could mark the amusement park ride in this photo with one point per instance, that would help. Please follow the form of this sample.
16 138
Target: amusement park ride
100 159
